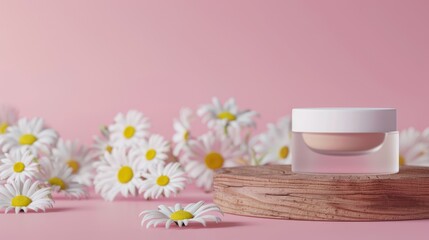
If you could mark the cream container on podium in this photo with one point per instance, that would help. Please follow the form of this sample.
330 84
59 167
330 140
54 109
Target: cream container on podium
345 141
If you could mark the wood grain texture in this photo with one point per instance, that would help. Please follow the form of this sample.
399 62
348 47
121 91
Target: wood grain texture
276 192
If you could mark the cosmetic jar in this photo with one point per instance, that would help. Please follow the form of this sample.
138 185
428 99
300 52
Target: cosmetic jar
345 140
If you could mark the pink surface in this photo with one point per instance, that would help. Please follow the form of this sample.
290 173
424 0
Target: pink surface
78 63
97 219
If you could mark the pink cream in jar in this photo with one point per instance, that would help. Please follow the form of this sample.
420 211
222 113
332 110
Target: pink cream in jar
345 140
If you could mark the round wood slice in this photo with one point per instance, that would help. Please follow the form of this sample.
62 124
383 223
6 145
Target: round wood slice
276 192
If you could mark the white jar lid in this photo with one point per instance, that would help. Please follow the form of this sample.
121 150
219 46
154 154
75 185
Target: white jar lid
343 120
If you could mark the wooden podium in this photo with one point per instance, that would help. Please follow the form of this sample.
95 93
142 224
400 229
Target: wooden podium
276 192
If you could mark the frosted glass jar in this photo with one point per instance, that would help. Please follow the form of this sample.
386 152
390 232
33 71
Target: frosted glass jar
345 140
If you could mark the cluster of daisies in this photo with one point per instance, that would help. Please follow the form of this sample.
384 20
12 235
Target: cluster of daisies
229 141
36 164
134 161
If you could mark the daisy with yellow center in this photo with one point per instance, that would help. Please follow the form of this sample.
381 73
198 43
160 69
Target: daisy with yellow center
129 129
77 158
206 155
181 216
25 195
163 180
151 152
59 176
29 133
118 172
3 127
274 145
223 117
413 148
182 130
8 117
19 164
101 145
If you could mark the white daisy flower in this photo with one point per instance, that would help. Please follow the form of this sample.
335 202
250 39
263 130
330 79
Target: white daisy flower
8 117
163 180
208 154
19 164
413 149
59 176
274 145
182 127
25 195
129 129
77 158
227 116
30 133
118 172
101 145
182 216
151 152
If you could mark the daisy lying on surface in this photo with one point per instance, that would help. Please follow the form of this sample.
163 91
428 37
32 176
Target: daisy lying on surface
26 195
181 216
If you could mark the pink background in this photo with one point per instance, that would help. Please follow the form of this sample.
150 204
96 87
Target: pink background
78 63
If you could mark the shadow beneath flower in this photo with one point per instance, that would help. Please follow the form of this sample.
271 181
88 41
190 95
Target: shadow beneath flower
62 209
49 210
212 225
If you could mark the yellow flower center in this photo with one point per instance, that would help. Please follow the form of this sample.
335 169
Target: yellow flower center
227 115
163 180
3 127
20 201
56 181
150 154
129 132
74 165
186 135
401 160
214 160
181 215
18 167
125 174
109 149
27 139
284 152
